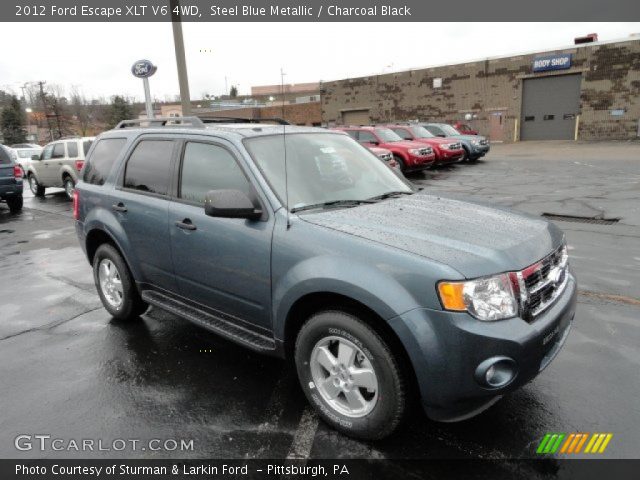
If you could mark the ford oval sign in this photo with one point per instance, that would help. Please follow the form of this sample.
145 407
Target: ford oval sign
143 69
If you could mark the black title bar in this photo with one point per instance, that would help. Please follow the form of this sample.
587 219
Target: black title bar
318 10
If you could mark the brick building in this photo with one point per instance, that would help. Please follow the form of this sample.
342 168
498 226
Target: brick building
589 91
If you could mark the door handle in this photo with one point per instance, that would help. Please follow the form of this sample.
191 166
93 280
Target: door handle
186 225
119 207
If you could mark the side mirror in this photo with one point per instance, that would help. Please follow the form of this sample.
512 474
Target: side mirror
230 204
35 157
441 135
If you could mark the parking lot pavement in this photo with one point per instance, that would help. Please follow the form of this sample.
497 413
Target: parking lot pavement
67 369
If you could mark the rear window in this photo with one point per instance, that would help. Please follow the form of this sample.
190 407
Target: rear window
72 149
4 155
99 165
148 167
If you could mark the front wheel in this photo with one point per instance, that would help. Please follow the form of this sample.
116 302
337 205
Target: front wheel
350 375
401 165
35 187
115 284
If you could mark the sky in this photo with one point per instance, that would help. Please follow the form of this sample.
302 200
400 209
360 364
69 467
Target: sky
97 57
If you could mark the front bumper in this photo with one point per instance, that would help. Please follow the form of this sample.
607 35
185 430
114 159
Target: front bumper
480 150
416 163
447 157
446 348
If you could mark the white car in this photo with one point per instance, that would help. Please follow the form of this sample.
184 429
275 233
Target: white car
22 155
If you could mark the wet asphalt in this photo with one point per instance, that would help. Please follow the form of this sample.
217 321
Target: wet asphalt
69 370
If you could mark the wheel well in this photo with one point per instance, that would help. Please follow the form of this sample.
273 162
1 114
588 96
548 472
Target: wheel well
95 238
309 304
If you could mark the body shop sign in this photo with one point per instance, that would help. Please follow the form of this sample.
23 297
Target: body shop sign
552 62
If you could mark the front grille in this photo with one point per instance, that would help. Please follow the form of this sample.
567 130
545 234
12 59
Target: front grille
455 146
542 283
425 151
484 142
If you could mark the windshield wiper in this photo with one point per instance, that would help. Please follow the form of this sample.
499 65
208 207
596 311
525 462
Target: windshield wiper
332 203
389 195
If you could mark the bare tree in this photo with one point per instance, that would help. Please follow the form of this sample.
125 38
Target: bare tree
83 110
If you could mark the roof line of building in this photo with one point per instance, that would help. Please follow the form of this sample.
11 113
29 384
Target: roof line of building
631 38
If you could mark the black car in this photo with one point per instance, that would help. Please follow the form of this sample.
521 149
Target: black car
10 181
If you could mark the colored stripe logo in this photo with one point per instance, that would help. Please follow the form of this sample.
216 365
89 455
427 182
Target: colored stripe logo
574 443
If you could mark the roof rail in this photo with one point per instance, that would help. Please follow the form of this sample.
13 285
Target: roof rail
193 122
216 119
69 137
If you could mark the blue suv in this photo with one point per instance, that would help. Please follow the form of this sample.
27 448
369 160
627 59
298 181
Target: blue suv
298 242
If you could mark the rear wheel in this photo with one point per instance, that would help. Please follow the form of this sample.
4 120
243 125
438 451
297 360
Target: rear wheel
15 204
115 284
350 375
35 187
69 186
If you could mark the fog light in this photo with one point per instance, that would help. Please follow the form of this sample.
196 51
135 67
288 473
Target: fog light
496 372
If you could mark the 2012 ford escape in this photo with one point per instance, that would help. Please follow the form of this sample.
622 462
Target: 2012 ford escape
298 242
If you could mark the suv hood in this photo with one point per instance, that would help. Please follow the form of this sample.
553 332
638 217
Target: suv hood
472 238
404 144
468 137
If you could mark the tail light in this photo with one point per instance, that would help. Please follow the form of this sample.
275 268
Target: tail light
79 164
17 171
76 204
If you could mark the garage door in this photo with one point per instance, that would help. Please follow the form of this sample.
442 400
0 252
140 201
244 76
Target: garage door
549 107
356 117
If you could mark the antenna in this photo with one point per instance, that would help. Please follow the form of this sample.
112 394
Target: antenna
284 141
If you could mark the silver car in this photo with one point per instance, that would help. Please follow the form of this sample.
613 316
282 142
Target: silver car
58 165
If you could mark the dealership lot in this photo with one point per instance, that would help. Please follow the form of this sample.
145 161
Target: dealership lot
70 371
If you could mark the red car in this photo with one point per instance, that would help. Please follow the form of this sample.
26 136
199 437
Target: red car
447 150
411 156
465 128
386 156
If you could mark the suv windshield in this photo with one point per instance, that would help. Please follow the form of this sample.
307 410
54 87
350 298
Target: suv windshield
387 135
449 130
421 132
322 168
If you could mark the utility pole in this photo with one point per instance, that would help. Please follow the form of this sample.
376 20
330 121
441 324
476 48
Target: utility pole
282 74
181 62
44 107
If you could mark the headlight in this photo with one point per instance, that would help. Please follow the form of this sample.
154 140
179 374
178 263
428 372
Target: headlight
415 151
487 299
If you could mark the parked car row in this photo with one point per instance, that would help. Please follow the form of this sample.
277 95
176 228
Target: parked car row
418 146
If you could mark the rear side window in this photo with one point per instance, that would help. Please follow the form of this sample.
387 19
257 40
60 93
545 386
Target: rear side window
58 150
99 165
148 167
209 167
4 156
72 149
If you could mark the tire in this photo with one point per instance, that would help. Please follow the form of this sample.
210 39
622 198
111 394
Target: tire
118 291
15 204
69 186
465 157
327 338
35 187
400 162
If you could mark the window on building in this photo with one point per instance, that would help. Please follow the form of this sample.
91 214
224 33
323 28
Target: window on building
148 167
529 118
209 167
548 117
437 82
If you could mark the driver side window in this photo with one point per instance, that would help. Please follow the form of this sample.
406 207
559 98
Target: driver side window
209 167
46 153
367 137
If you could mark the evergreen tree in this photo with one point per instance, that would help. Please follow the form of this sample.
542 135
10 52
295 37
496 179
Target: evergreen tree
233 91
12 121
120 110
